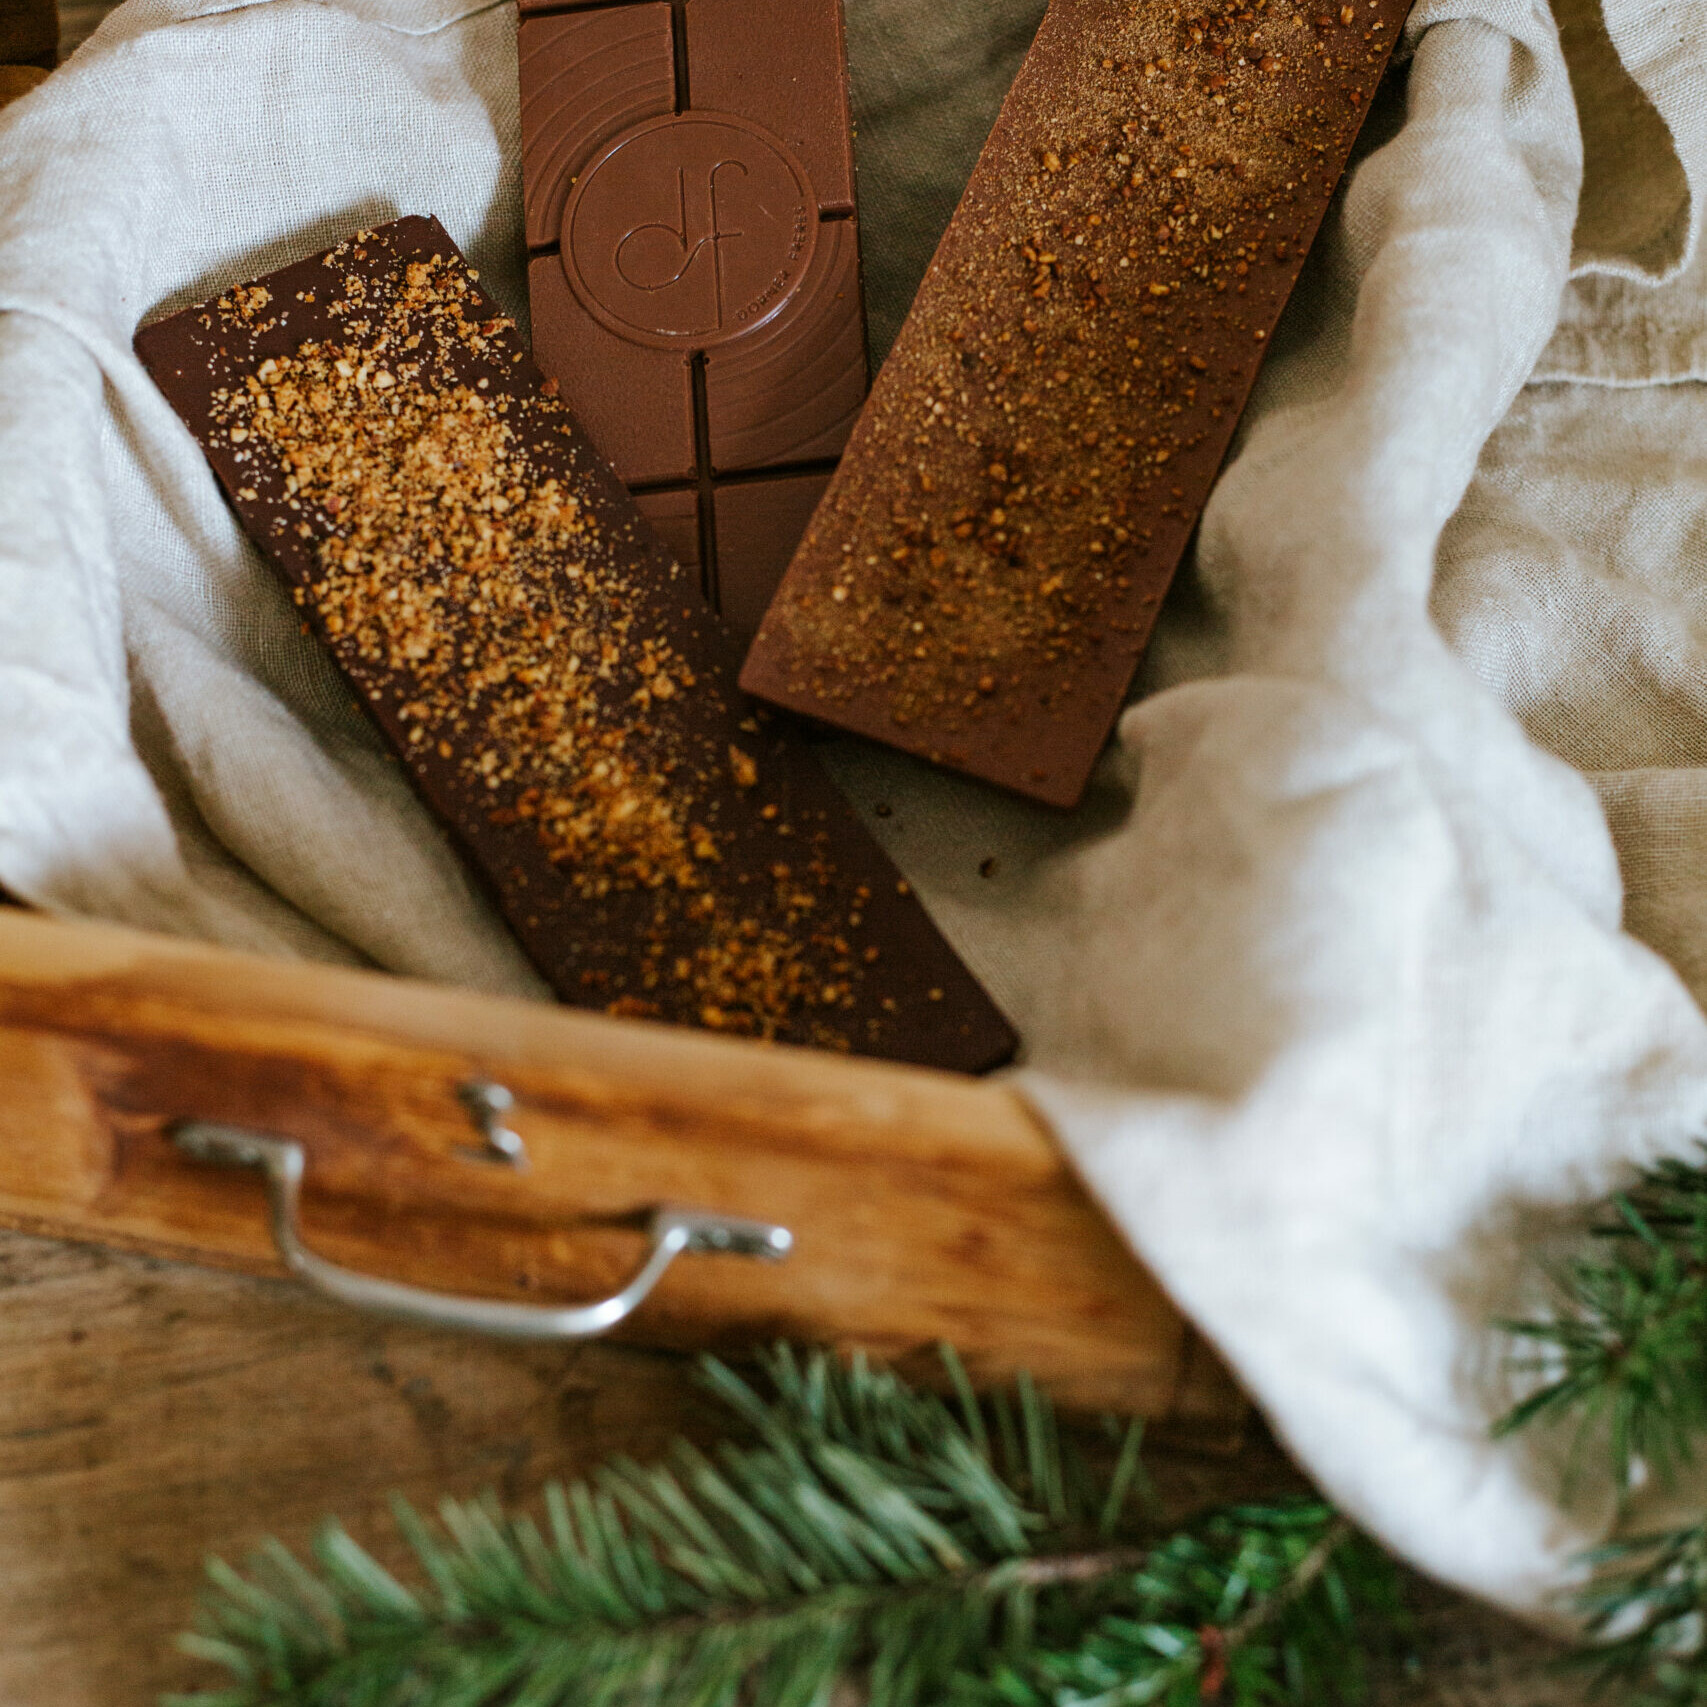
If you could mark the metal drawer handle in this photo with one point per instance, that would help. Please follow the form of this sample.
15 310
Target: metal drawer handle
672 1232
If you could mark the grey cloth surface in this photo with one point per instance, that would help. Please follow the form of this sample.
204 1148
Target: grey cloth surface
928 81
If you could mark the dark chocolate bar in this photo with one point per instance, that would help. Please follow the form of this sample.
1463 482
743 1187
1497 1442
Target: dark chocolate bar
554 685
991 555
29 34
689 203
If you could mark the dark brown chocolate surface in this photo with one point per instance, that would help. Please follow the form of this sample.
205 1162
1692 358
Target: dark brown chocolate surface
991 555
554 685
764 518
688 193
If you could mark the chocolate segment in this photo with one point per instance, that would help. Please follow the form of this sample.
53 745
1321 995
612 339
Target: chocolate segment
991 555
689 199
784 65
643 398
674 516
760 522
788 393
552 682
586 76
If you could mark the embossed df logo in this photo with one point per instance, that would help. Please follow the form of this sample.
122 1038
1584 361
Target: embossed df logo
660 256
690 230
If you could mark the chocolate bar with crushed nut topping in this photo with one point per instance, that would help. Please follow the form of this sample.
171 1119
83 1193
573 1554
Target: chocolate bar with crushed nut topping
983 574
551 681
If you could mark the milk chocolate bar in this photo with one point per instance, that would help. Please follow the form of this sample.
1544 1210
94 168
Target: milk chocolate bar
990 558
553 684
688 195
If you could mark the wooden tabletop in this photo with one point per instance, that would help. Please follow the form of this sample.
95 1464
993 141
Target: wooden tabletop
151 1414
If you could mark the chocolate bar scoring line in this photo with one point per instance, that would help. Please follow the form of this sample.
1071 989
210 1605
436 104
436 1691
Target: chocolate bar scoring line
679 45
694 267
704 489
741 477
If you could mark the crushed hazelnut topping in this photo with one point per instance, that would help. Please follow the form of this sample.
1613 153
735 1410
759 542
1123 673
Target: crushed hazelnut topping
474 593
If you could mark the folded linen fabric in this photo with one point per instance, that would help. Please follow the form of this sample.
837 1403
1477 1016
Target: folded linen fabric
1375 952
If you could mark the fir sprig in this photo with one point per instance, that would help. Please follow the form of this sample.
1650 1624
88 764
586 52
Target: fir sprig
1627 1351
1251 1604
967 1552
1646 1606
934 1551
1624 1361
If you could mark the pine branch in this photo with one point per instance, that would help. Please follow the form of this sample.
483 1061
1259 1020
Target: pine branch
1254 1604
962 1552
1626 1353
1625 1356
1648 1606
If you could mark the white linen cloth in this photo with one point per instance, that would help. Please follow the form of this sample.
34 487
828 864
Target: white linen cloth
1374 954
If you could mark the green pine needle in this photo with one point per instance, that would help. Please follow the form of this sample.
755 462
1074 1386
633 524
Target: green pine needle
1648 1610
1254 1604
963 1552
1627 1352
1624 1361
967 1552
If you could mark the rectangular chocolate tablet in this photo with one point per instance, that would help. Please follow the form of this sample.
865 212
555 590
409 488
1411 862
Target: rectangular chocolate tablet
990 557
554 685
688 194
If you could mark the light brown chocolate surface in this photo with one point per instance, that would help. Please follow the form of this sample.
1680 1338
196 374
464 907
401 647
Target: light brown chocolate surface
991 555
689 206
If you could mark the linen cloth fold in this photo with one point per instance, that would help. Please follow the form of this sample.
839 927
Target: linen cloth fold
1374 954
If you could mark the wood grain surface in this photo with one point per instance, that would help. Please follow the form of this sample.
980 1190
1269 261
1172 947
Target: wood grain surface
151 1414
925 1206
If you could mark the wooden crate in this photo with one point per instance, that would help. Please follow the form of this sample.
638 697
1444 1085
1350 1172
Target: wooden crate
924 1206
